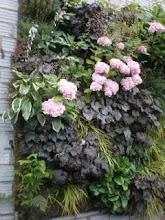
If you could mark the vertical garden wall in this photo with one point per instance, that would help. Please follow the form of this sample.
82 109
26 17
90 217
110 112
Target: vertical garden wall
82 138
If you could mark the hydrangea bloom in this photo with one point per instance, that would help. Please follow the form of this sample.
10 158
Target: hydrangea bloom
156 27
127 83
120 46
115 63
137 79
134 67
124 69
98 78
127 59
95 86
107 92
142 49
52 108
102 67
104 41
68 89
112 86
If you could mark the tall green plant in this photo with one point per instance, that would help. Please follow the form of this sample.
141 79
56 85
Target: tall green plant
32 173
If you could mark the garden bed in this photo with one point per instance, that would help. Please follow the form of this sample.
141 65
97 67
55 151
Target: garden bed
87 106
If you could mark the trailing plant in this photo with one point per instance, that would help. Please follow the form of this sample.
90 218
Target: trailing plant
113 190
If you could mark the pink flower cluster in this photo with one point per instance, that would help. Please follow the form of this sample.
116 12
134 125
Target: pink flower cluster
120 46
104 41
115 63
102 67
127 58
130 82
98 78
134 67
111 88
52 108
141 49
98 82
131 67
124 69
156 27
68 89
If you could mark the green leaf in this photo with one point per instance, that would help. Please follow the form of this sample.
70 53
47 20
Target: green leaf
119 180
40 84
11 113
24 89
39 202
90 62
87 98
113 198
34 95
51 78
19 74
36 88
26 109
87 90
37 104
5 115
125 186
104 199
56 124
41 118
15 118
58 98
124 201
16 104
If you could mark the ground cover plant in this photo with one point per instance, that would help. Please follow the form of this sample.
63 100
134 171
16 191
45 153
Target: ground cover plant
87 106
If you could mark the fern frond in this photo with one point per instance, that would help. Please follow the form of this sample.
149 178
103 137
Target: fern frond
39 202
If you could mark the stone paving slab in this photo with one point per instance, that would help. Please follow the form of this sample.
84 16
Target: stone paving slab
6 188
8 15
6 173
7 217
6 208
7 158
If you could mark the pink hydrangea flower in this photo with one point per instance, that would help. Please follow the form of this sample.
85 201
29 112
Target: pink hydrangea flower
102 67
127 59
98 78
156 27
134 67
111 85
137 79
124 69
141 49
120 46
52 108
68 89
107 91
115 63
127 83
95 86
104 41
